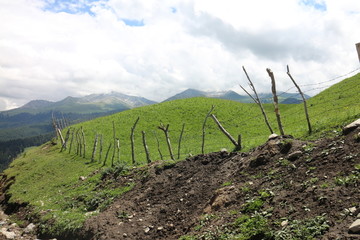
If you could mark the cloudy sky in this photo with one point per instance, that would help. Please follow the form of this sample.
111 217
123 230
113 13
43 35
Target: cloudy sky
51 49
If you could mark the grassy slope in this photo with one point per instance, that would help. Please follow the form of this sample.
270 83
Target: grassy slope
49 180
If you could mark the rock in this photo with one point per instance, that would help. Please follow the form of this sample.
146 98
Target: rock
284 223
294 155
147 229
358 216
352 209
82 178
355 227
352 126
30 228
8 235
273 136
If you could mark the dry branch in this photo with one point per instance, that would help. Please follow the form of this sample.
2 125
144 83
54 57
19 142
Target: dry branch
146 147
257 100
236 144
132 141
276 102
158 146
203 129
180 138
304 100
166 132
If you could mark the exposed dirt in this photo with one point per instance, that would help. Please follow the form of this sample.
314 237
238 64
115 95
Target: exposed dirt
169 200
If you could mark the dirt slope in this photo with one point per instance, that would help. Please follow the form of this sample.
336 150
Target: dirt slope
203 194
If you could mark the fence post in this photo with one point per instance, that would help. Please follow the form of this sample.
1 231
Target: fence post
358 49
203 129
107 154
180 138
256 100
166 131
158 145
84 142
94 148
236 144
276 103
132 141
146 147
304 100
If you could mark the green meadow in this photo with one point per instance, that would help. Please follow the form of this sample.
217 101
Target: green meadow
50 181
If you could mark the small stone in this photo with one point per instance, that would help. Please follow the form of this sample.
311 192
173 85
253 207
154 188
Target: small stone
358 216
273 136
352 209
160 228
350 127
284 223
294 155
82 178
355 227
147 229
124 235
30 228
8 235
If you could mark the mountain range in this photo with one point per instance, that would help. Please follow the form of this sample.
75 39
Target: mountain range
285 98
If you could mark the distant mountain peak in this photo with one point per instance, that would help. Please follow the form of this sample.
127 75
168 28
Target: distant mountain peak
35 104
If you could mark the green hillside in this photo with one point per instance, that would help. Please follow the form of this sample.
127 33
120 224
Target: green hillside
49 180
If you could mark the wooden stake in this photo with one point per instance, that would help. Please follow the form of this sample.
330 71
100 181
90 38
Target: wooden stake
71 140
101 147
84 142
63 147
304 100
146 147
257 100
107 154
203 129
94 148
132 141
276 103
358 49
114 149
236 144
166 131
158 146
180 138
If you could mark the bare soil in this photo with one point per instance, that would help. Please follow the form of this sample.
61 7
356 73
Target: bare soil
170 200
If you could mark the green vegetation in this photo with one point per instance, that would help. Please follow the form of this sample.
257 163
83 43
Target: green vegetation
62 191
64 188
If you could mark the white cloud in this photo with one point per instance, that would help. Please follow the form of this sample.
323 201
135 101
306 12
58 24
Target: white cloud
50 53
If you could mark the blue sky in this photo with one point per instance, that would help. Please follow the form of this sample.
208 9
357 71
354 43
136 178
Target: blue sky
157 48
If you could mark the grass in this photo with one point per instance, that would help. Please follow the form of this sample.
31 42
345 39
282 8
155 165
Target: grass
49 181
51 184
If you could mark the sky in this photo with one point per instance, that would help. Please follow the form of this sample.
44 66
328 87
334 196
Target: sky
51 49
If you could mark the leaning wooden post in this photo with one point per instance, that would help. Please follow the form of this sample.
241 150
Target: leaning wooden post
71 140
107 154
94 148
236 144
256 100
304 100
358 50
158 146
276 103
63 147
101 147
166 132
54 126
84 142
61 137
180 138
146 147
132 141
118 149
203 129
114 149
